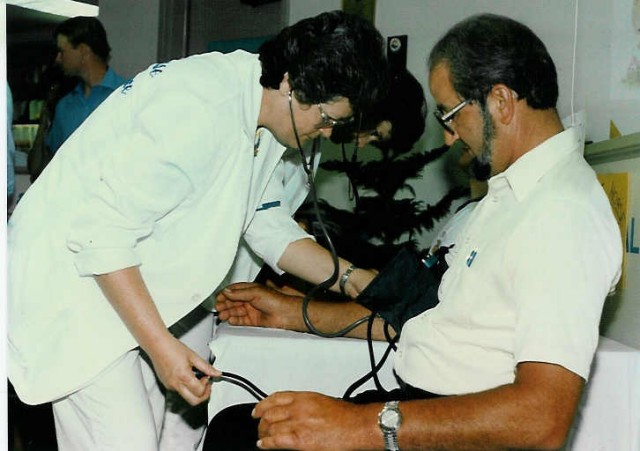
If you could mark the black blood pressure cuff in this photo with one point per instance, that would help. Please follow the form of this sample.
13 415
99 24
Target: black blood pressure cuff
403 289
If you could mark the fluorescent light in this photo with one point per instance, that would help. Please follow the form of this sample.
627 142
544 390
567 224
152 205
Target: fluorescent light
67 8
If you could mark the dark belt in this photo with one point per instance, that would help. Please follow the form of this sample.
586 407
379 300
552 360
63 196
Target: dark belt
405 392
409 392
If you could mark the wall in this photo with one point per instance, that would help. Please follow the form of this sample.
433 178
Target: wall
301 9
229 19
553 21
142 33
621 316
132 29
424 21
173 29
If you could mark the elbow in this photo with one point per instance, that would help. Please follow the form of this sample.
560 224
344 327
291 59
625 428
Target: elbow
549 397
553 440
550 432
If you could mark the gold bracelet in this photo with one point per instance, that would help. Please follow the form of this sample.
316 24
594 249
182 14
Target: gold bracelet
344 278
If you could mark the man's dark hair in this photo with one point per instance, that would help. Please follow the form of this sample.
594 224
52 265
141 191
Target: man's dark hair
86 30
331 55
404 107
487 49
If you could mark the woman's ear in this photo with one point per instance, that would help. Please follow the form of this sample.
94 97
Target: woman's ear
503 100
285 87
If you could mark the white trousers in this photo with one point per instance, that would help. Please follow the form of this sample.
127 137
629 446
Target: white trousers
126 408
184 425
114 412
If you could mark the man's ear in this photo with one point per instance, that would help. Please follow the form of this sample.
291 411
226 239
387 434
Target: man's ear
503 100
85 50
285 87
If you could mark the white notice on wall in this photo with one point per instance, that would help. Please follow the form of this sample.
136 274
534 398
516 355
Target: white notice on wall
625 51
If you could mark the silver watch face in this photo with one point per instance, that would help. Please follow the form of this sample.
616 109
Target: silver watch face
390 419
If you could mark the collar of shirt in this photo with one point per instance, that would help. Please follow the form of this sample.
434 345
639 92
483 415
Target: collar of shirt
523 175
111 80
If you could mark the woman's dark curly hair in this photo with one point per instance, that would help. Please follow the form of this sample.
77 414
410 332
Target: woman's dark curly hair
332 55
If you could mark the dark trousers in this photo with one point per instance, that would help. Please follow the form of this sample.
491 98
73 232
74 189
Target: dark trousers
233 429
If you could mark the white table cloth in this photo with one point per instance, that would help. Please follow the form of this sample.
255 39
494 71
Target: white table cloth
609 415
276 360
608 419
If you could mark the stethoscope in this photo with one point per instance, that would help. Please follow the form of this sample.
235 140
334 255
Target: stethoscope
307 167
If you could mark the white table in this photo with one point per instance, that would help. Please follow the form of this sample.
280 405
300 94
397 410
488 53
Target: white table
609 416
608 419
277 360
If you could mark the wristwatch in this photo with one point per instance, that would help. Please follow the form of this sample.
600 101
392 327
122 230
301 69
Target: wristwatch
389 420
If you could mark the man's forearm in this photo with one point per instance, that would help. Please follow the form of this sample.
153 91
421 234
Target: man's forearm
330 317
535 412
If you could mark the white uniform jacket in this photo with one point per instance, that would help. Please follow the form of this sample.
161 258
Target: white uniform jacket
162 176
273 227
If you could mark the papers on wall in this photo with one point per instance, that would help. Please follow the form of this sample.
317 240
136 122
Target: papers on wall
617 188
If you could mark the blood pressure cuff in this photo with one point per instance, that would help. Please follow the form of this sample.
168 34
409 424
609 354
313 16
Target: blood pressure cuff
403 289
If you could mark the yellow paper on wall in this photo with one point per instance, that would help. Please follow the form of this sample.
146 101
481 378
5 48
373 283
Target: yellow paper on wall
613 130
617 188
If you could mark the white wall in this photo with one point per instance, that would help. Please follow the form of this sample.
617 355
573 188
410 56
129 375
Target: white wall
621 316
132 30
424 21
553 20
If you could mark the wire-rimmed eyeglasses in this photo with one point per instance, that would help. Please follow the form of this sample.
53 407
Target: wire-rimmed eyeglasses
327 121
445 118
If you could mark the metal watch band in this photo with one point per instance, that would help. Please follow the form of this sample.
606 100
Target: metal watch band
391 435
391 441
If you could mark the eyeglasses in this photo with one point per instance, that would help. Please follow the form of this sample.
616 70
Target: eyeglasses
446 118
327 121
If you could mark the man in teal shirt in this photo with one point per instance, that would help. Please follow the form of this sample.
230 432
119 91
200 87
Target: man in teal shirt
83 52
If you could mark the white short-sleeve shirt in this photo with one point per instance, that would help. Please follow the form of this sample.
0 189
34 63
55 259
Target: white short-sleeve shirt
527 279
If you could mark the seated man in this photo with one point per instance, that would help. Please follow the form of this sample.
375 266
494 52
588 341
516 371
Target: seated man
509 347
280 307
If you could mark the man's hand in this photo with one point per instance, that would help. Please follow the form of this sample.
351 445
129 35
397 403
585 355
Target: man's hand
534 412
311 421
252 304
